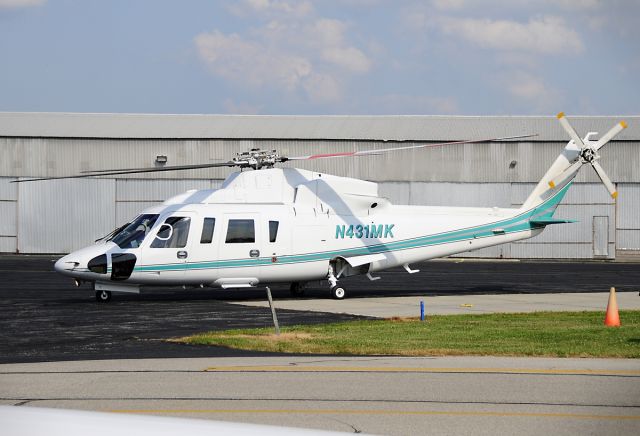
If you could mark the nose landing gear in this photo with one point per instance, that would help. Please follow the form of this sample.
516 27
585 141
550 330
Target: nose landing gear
103 296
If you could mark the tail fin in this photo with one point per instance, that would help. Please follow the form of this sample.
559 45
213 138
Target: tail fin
576 153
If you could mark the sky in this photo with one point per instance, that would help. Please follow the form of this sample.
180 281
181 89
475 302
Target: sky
272 57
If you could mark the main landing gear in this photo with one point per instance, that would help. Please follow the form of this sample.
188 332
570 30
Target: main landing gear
103 296
337 292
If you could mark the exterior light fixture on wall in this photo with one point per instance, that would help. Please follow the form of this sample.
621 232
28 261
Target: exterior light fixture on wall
161 159
513 164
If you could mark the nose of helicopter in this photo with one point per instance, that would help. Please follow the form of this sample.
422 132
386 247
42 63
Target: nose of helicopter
67 265
85 262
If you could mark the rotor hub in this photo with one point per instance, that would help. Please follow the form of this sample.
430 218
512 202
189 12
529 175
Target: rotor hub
257 159
588 155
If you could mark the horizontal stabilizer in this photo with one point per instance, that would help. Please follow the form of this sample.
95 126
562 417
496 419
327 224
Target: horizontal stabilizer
546 221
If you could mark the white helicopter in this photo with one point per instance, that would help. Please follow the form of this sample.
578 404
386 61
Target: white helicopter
275 225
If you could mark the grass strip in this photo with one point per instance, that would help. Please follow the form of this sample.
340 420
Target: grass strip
553 334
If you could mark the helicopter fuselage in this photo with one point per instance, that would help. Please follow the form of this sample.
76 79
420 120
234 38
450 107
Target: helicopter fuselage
287 225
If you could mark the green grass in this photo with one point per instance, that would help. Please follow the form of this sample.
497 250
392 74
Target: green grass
558 334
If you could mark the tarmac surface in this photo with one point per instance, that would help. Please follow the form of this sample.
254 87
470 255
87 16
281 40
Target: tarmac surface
43 317
379 395
60 334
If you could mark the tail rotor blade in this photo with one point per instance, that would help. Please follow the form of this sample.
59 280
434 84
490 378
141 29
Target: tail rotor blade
565 174
610 135
569 129
605 179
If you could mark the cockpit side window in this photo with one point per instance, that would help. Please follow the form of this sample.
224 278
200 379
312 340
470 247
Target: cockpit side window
173 233
133 234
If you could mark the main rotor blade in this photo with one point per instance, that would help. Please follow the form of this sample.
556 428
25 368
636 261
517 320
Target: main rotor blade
100 173
408 147
566 173
605 179
569 129
152 169
610 135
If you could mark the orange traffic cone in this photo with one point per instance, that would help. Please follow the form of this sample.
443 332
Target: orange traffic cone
612 319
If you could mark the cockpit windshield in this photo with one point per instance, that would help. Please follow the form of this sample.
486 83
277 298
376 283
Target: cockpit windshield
132 235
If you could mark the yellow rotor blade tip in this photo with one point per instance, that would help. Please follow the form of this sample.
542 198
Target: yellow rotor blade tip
614 195
560 115
623 124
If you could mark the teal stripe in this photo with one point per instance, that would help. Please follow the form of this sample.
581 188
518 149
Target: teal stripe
515 224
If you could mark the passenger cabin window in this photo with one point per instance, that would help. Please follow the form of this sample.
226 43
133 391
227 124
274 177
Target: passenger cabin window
207 230
173 233
273 230
241 231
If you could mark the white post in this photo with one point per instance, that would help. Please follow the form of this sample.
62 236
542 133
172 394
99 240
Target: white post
273 312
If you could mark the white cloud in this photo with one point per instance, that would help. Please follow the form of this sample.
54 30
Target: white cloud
298 8
546 35
235 59
417 104
533 90
305 55
10 4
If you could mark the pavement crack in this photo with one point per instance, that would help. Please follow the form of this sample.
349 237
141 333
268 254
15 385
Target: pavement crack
22 403
353 427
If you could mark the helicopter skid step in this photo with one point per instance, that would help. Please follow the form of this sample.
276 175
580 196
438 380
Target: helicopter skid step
248 282
116 287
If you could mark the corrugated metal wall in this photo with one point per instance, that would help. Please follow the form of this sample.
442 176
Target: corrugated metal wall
484 163
628 225
8 215
61 216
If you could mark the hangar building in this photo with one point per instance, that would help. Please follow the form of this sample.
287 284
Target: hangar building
63 215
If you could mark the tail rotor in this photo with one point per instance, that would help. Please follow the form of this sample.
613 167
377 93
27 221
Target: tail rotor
587 154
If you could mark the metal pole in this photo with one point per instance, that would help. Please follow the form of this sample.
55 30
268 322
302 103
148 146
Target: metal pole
273 312
421 310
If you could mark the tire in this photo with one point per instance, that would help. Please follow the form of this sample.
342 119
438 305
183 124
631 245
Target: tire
296 289
103 296
338 293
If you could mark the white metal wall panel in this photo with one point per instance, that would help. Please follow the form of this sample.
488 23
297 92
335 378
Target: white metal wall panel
158 190
8 244
498 252
461 194
396 192
578 193
8 190
8 218
64 215
580 231
629 206
554 251
483 163
127 210
320 127
628 239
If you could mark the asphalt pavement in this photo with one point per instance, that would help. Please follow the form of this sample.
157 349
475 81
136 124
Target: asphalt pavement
43 317
379 395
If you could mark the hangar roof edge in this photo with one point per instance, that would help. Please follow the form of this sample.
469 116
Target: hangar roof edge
301 127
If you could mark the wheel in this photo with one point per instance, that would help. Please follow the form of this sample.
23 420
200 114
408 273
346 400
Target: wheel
297 289
338 293
103 296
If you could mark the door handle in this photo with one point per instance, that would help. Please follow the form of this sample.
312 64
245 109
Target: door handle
254 253
182 254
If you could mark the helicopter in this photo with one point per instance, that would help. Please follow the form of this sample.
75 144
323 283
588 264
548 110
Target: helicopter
270 225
